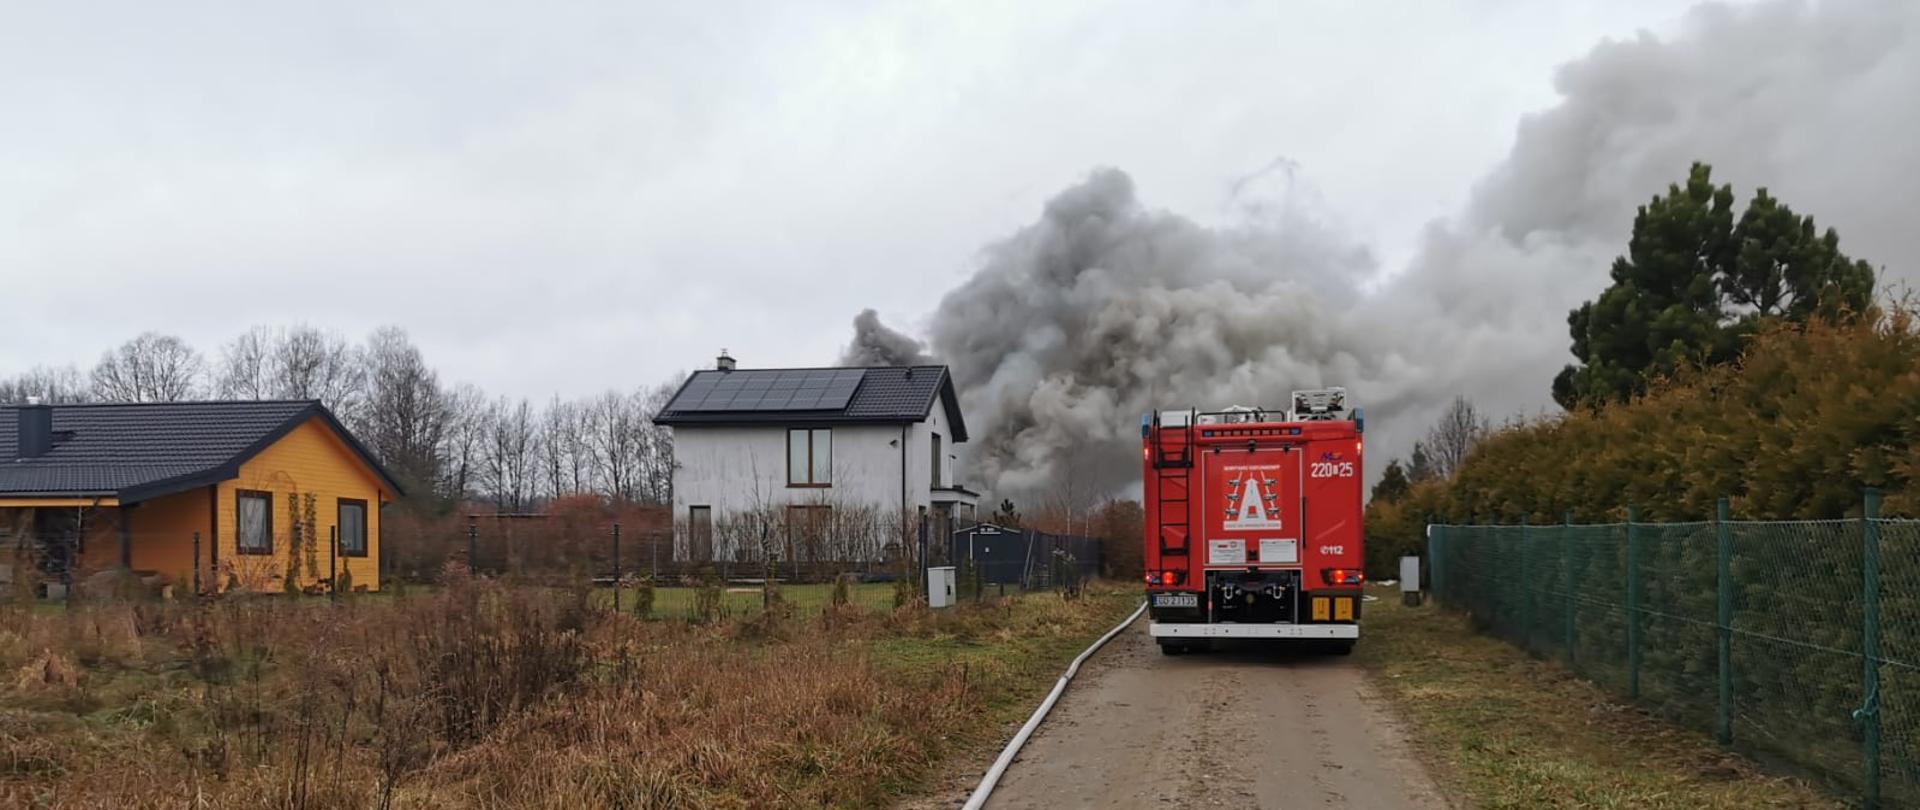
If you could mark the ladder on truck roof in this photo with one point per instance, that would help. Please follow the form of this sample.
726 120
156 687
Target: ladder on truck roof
1172 481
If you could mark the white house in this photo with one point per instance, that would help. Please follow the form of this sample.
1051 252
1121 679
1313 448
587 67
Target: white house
814 463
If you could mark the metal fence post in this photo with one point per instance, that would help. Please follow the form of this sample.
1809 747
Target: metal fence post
1634 588
1526 590
196 564
616 566
473 537
333 563
1566 567
1869 712
1436 554
1723 622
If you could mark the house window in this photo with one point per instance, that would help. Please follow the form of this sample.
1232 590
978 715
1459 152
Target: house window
700 533
936 460
254 531
353 527
810 457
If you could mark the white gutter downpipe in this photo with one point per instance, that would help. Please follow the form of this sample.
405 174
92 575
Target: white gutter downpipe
992 779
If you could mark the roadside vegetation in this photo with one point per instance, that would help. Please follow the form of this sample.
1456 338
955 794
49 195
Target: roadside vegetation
478 694
1500 729
1737 355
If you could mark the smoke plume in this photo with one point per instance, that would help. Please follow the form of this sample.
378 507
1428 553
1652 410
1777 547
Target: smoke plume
1105 309
874 344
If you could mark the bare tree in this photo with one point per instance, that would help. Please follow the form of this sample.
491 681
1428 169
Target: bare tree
556 429
310 363
246 365
1449 441
463 440
512 453
1074 495
615 431
656 444
297 363
54 385
406 409
149 368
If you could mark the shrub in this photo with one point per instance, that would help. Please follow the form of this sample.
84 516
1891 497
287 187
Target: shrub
709 601
643 597
840 595
906 591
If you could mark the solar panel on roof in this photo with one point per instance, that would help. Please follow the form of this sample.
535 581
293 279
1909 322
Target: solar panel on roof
769 390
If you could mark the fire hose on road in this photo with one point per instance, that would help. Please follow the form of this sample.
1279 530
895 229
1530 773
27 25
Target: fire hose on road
987 783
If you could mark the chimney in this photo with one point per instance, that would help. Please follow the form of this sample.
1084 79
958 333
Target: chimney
724 362
36 428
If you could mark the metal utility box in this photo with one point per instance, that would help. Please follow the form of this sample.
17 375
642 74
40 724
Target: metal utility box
940 586
1410 581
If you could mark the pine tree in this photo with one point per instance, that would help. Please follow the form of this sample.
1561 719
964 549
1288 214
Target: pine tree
1420 464
1663 308
1393 484
1696 284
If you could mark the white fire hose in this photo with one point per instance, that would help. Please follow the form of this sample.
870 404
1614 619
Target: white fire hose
987 783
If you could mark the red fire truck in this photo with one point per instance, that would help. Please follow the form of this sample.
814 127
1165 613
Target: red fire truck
1253 523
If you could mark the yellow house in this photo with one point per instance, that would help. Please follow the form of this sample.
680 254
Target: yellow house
222 494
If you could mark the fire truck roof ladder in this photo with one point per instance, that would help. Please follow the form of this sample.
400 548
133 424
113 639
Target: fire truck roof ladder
1173 479
1320 404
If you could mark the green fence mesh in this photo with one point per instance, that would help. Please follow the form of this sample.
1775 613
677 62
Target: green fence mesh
1795 641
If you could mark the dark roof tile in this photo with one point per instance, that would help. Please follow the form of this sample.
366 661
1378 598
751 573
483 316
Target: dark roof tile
136 450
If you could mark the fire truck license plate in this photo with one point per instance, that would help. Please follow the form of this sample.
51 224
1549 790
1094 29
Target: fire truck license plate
1176 600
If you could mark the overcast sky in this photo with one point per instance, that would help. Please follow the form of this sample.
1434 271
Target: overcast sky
570 197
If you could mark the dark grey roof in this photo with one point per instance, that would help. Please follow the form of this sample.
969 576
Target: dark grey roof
139 451
883 395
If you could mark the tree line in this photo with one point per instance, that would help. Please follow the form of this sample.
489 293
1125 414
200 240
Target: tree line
446 443
1737 356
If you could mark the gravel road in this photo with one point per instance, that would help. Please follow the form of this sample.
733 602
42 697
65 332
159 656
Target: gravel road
1250 726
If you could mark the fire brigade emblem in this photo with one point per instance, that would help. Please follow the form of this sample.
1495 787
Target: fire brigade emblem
1256 506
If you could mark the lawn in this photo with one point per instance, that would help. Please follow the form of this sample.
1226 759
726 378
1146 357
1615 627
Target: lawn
483 695
1502 729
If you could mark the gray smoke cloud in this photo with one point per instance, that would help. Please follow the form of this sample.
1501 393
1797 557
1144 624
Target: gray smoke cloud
874 344
1104 309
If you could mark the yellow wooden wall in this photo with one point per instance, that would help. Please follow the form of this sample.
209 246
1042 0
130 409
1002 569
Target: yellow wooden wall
311 458
163 530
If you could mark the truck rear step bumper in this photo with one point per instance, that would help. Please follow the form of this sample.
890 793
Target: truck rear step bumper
1194 630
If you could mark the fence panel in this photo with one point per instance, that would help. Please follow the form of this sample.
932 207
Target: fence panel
1898 701
1796 633
1794 640
1600 605
1678 669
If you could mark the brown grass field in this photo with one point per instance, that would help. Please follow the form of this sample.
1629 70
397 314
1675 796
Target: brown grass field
480 695
1502 729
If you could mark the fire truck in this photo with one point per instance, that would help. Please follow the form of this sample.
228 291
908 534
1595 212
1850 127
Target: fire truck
1253 524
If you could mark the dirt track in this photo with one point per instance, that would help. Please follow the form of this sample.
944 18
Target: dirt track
1245 727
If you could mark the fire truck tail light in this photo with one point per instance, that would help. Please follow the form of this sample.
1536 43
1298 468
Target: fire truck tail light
1166 577
1342 576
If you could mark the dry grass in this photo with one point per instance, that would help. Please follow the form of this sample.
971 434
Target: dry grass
480 696
1504 730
